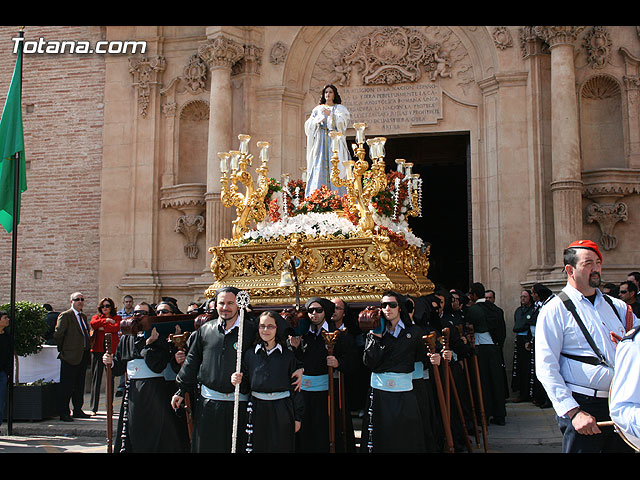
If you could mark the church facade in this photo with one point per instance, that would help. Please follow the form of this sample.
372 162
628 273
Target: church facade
526 139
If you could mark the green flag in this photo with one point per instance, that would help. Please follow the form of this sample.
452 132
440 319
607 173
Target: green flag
12 143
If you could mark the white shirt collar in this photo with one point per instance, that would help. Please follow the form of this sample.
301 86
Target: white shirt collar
399 326
573 291
223 324
324 326
260 346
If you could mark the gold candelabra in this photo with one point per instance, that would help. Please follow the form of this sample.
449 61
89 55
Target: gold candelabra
358 193
249 205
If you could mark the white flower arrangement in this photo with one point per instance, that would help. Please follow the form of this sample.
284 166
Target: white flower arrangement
399 226
311 224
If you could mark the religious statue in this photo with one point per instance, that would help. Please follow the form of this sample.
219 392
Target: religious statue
329 115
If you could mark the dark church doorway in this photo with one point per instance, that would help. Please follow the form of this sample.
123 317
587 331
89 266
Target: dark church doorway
443 163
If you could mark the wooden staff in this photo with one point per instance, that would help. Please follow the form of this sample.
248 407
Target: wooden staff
444 341
330 340
180 342
107 348
343 409
483 418
468 379
242 299
430 342
446 333
456 398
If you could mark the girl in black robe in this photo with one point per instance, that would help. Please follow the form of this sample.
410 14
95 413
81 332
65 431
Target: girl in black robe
274 410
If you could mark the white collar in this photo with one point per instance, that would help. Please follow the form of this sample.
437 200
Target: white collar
396 331
261 346
324 326
223 324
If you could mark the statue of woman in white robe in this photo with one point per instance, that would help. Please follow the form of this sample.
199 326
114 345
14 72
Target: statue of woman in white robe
329 115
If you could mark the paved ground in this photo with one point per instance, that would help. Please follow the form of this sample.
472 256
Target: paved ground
528 429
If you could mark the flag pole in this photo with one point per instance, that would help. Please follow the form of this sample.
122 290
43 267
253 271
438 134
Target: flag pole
14 256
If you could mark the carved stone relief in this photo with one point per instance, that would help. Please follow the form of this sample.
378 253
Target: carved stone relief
392 55
606 215
146 75
195 75
502 38
188 199
278 53
597 43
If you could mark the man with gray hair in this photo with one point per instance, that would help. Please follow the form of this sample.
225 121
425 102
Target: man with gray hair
71 335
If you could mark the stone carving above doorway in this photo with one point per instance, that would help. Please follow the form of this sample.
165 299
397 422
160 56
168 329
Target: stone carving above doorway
391 55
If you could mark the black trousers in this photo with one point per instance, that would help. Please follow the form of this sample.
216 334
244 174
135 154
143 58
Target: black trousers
71 387
606 442
492 378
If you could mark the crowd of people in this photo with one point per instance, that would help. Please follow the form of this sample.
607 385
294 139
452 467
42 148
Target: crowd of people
181 397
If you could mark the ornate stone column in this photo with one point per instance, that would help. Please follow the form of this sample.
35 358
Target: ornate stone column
565 142
220 53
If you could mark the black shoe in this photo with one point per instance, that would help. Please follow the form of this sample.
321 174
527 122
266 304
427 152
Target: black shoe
66 418
119 393
80 414
497 421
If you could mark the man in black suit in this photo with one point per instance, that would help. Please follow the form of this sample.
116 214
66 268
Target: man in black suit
73 340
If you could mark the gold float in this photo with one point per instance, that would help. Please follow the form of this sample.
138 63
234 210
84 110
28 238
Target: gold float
355 247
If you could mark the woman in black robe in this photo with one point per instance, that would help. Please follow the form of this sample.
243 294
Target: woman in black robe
147 423
311 350
393 423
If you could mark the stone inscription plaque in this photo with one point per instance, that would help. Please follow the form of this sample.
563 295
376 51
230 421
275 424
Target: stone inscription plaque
391 108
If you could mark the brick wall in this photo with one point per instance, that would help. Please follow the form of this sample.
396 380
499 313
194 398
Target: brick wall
58 233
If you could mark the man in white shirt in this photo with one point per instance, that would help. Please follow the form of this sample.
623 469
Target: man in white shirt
575 373
625 388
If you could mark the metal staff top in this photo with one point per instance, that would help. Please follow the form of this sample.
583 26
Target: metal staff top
242 299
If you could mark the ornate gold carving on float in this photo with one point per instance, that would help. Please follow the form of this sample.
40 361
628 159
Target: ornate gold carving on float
354 246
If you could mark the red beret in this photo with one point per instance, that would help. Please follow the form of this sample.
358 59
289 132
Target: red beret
588 244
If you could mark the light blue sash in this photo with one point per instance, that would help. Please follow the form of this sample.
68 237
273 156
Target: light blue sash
271 395
315 383
224 397
392 381
169 374
418 371
137 368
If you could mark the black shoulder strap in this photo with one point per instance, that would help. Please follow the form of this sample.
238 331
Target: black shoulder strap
571 307
607 299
